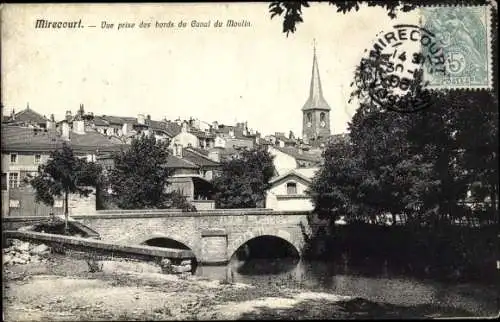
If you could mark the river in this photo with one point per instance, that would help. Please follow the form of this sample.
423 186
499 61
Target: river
381 286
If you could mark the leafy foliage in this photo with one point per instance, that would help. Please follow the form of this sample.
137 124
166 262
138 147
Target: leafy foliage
140 176
423 165
292 10
64 174
178 201
244 180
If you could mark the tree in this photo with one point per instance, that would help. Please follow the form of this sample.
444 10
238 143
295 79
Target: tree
292 10
419 164
140 176
244 180
64 174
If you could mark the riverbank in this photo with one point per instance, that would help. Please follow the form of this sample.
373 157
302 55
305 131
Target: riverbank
62 288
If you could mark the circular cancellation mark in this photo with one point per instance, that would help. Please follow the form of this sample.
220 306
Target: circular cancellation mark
393 73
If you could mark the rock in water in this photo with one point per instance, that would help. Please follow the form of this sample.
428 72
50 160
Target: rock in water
181 269
166 266
40 249
24 247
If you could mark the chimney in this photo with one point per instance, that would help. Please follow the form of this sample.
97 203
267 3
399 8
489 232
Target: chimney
125 129
68 116
65 130
13 115
140 119
178 150
81 111
215 125
184 126
79 127
214 155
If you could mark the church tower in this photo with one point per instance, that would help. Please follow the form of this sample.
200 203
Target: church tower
316 111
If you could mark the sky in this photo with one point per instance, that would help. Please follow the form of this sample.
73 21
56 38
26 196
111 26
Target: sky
255 74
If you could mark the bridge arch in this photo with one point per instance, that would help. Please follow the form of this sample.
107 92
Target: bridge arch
167 241
251 235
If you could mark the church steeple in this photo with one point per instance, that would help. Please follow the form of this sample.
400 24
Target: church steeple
316 111
316 99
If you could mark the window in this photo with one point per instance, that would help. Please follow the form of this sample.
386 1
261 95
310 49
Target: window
13 180
322 117
38 157
309 117
4 181
291 188
13 158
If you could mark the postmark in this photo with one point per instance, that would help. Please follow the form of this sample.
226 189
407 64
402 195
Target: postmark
391 74
464 35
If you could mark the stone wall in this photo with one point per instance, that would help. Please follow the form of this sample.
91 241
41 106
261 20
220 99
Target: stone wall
213 236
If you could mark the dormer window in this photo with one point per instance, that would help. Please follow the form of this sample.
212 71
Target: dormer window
13 158
291 188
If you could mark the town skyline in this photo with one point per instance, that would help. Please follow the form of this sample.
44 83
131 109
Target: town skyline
185 73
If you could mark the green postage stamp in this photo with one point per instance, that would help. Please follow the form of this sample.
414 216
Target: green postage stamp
464 36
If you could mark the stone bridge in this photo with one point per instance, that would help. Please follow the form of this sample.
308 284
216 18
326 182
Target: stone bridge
213 236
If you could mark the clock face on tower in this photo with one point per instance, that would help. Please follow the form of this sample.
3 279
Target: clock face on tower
309 124
322 124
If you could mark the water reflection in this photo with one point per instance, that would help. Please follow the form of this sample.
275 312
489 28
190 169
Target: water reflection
381 285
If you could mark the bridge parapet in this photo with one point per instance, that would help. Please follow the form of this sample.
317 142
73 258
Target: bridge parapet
212 235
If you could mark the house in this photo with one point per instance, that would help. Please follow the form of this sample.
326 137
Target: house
29 118
24 149
288 190
187 180
207 168
238 136
192 173
289 158
184 138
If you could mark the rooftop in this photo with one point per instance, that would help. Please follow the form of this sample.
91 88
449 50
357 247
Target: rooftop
26 116
314 156
19 138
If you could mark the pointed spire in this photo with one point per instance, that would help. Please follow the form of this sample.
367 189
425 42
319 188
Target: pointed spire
316 99
28 105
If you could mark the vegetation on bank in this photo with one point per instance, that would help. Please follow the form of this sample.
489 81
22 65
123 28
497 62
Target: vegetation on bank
244 180
62 175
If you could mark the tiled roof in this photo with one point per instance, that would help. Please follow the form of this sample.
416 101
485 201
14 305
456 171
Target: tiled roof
293 173
238 132
91 141
17 138
178 163
198 158
99 121
201 151
172 128
118 120
284 138
305 155
27 116
201 134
